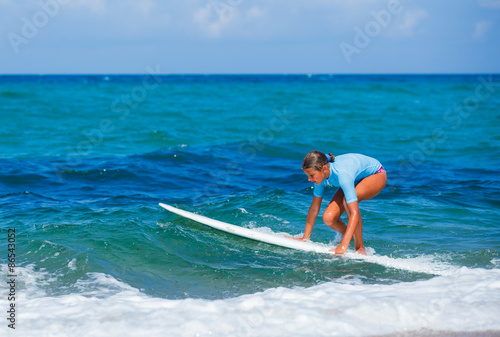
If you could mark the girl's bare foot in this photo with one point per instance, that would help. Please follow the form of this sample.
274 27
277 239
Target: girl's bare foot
361 251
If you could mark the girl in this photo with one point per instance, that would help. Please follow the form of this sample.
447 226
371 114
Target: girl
359 178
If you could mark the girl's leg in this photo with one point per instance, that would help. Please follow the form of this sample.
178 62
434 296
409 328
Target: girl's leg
365 190
358 233
332 214
371 186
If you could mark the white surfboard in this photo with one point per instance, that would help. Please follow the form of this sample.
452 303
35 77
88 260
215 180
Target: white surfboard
273 239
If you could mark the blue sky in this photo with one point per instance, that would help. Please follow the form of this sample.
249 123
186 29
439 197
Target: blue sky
249 36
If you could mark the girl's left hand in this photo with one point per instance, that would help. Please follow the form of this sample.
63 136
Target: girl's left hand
340 250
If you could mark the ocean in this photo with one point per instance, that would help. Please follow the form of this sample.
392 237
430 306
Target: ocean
85 249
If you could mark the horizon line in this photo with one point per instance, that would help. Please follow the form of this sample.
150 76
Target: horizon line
250 74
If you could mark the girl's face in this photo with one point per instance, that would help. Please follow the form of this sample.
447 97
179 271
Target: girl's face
317 177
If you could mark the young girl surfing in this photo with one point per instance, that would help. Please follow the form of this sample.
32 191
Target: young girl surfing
359 178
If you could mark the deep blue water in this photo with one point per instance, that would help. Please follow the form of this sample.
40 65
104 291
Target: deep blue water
84 161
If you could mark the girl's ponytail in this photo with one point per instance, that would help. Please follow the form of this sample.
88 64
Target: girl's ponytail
316 160
331 157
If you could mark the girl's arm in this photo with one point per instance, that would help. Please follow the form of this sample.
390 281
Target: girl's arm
354 218
312 214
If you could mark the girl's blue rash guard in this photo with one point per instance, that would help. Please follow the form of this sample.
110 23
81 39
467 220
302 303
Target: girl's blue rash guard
346 171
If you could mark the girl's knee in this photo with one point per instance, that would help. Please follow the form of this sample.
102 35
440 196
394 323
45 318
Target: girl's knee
330 217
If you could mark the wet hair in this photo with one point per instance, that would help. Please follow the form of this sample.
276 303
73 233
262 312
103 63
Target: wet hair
316 160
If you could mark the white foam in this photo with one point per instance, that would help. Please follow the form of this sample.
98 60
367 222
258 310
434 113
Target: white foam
244 211
421 264
72 264
274 217
464 300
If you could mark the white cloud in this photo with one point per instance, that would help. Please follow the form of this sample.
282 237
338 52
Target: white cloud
213 17
411 19
287 19
481 28
221 18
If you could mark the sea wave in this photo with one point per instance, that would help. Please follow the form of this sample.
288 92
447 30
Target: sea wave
467 300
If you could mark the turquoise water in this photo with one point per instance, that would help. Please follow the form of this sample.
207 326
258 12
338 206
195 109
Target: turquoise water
85 160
